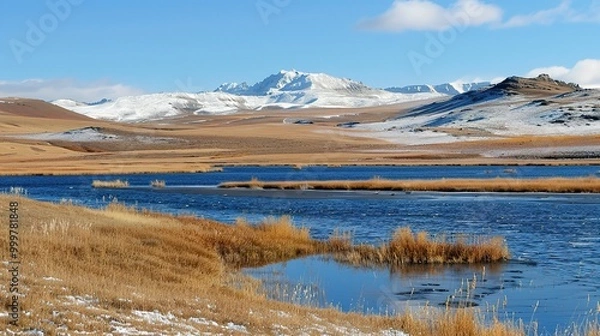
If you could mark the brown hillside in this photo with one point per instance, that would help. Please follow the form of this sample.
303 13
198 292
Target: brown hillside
34 108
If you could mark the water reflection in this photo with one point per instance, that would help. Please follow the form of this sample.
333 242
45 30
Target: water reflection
515 291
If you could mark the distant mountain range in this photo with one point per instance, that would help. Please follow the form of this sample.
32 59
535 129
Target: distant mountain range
283 90
450 89
295 81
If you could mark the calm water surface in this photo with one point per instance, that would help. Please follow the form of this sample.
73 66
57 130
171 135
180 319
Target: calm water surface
554 277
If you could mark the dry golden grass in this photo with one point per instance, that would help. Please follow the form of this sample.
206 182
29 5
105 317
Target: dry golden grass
93 270
110 184
554 185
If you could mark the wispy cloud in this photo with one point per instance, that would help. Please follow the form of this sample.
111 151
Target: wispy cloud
564 12
543 17
425 15
65 88
585 73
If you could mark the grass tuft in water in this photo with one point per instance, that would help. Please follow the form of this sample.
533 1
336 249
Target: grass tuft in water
406 247
110 184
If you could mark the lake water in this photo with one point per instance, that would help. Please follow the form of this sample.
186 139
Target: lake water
554 277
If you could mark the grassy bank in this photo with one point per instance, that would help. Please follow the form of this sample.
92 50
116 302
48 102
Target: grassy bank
121 270
553 185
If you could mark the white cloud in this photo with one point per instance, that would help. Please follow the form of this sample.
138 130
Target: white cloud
424 15
65 88
497 80
585 73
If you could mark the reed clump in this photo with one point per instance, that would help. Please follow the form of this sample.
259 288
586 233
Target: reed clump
255 183
209 169
110 184
18 191
551 185
407 247
158 184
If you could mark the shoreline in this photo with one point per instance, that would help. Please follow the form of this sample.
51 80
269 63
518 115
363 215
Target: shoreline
217 167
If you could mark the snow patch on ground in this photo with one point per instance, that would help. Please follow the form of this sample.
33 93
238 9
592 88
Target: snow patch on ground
119 328
203 321
90 134
81 300
154 317
51 279
87 134
393 333
235 327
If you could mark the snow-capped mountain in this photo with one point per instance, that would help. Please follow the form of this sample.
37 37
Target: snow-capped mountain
450 89
289 81
233 88
285 89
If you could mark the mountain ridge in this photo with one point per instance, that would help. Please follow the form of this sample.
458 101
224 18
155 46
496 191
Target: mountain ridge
293 80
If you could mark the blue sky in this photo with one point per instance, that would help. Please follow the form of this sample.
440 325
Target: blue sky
86 49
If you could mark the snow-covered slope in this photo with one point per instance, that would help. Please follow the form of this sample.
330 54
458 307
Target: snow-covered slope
159 106
517 106
285 89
